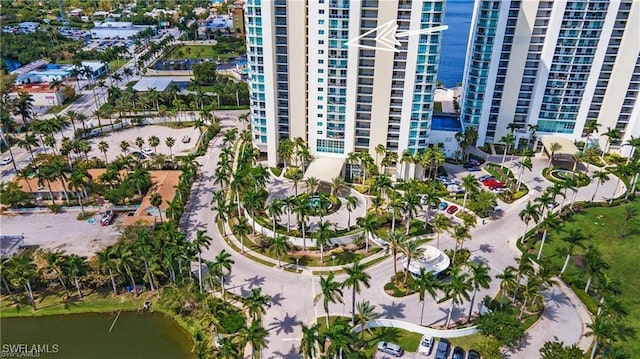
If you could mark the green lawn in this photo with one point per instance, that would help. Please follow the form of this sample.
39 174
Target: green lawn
197 52
409 341
116 64
604 225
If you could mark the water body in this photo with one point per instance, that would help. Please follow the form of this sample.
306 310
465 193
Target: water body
454 41
134 335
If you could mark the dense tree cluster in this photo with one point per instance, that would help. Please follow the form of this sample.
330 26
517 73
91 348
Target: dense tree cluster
41 44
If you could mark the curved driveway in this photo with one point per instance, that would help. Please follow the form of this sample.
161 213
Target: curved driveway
292 294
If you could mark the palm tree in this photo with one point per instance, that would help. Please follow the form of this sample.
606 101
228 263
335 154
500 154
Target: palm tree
412 203
426 282
524 268
279 245
302 211
507 282
309 340
603 330
630 212
56 262
139 141
124 146
311 184
156 200
106 258
441 224
550 222
256 335
221 266
274 209
296 178
22 271
337 184
255 303
380 150
590 127
412 251
553 148
531 212
330 292
594 265
323 237
470 185
154 141
103 147
574 238
170 141
456 289
460 233
613 135
77 266
242 229
525 163
395 243
351 204
356 276
480 278
369 223
201 240
406 157
509 140
365 313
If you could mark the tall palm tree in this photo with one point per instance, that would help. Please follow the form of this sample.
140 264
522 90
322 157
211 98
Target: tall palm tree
106 259
395 243
104 147
412 251
311 185
507 281
77 266
441 224
356 277
274 209
553 148
480 278
527 164
412 202
573 239
156 200
531 212
602 330
170 142
221 266
302 211
309 340
426 282
22 271
470 185
594 265
509 140
525 268
337 184
330 292
369 223
460 233
365 312
279 245
201 240
256 335
456 289
550 222
255 303
323 237
351 204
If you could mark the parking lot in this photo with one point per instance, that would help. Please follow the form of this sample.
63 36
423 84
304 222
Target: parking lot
129 135
62 231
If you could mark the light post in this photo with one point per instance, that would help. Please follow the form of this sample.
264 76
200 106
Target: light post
297 267
333 260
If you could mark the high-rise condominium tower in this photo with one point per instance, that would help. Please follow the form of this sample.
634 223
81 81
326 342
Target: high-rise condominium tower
306 82
554 64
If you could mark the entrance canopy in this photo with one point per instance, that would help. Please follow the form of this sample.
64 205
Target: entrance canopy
565 153
324 168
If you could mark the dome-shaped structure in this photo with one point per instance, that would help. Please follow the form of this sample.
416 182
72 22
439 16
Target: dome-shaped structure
432 260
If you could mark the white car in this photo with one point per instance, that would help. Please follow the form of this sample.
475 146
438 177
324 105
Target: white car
426 345
147 151
5 161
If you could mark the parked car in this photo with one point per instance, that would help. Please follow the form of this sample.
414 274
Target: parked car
5 161
426 345
442 351
443 206
390 348
472 354
471 164
485 177
147 151
107 218
458 353
452 209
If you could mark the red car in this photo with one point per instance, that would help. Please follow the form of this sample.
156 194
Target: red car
452 209
492 183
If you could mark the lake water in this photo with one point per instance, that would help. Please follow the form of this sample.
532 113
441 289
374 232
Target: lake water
454 41
134 335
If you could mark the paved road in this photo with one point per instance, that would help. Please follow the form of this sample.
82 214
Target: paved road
292 295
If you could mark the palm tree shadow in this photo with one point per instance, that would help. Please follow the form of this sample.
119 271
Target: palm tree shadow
276 299
556 297
291 354
285 324
386 334
550 313
255 281
393 310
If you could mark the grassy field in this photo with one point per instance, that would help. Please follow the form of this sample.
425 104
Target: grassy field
197 52
116 64
604 226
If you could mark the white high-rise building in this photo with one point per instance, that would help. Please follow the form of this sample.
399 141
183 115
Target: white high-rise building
554 65
306 82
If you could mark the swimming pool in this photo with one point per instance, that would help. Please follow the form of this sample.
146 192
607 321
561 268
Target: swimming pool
445 123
